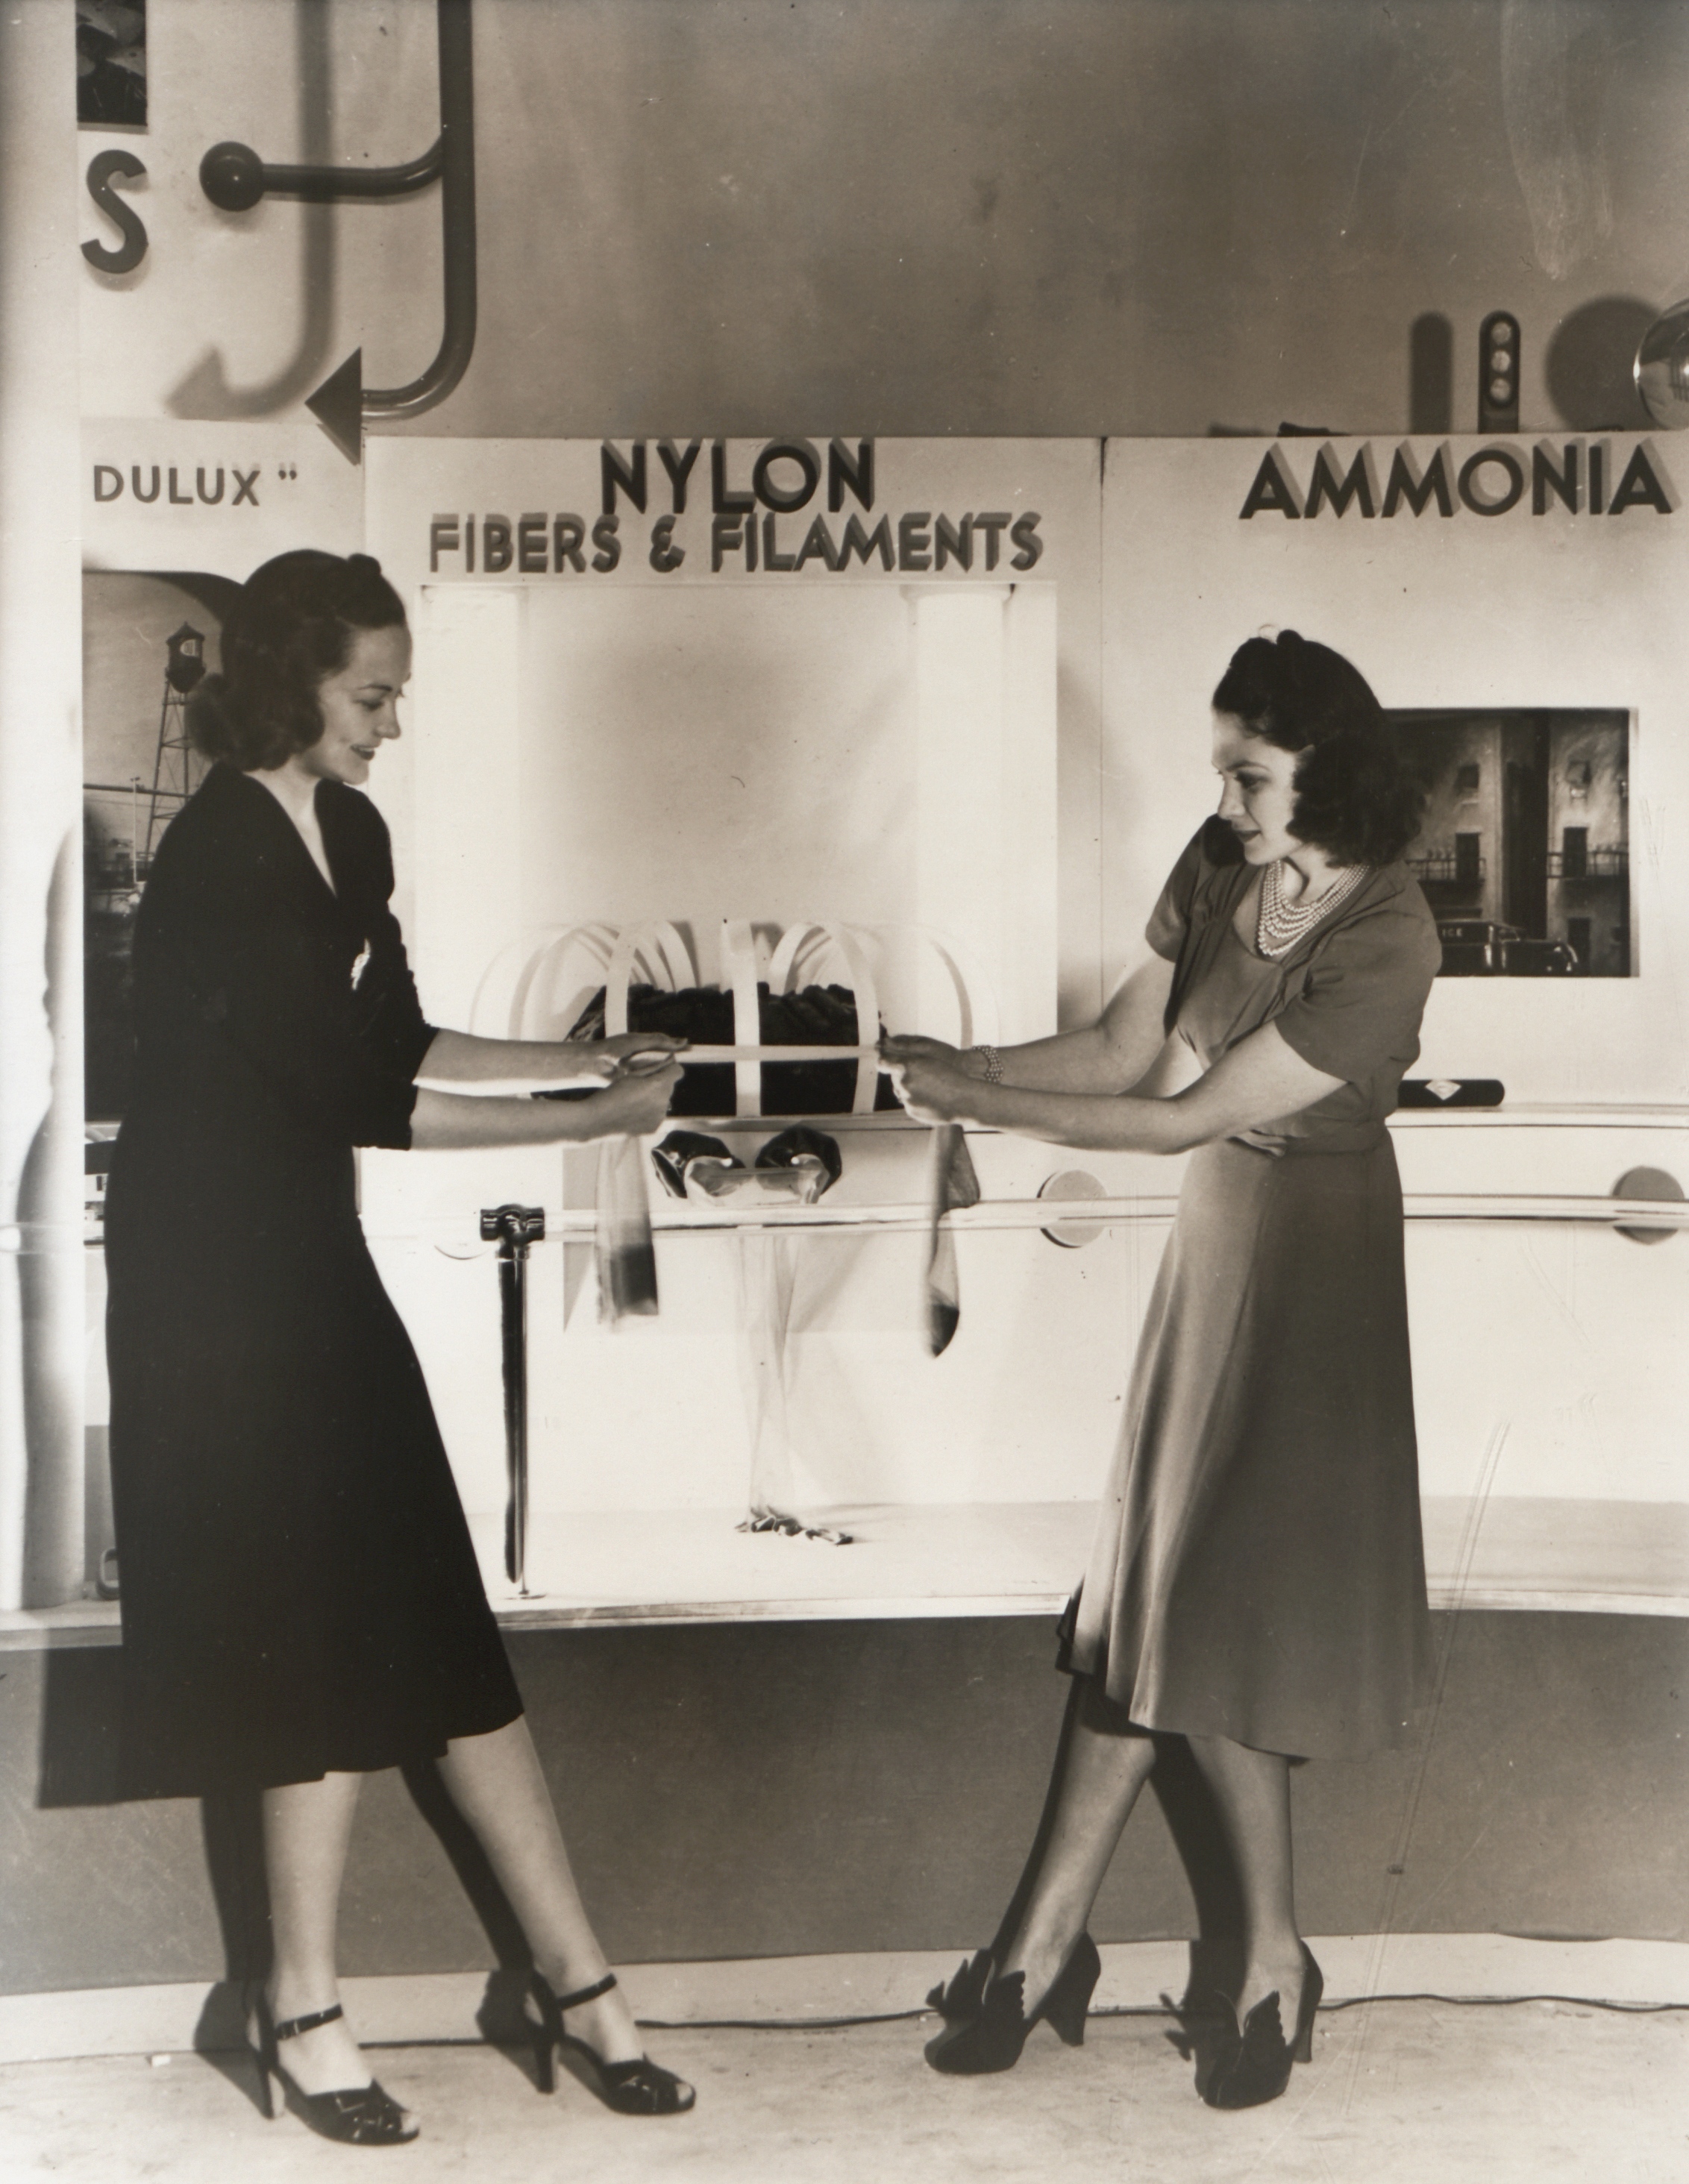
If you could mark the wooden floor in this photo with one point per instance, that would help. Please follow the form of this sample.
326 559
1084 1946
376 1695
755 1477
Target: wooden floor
1539 2091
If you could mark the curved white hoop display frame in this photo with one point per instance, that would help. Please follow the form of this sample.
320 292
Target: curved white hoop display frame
520 992
666 958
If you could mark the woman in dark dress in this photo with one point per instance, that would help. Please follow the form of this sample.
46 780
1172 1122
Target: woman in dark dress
301 1601
1258 1581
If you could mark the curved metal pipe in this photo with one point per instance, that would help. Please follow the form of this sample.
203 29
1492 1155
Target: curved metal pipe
1662 1214
234 179
457 225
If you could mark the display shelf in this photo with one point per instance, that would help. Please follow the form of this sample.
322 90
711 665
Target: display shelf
608 1567
1023 1558
52 1630
1596 1114
682 1566
1532 1554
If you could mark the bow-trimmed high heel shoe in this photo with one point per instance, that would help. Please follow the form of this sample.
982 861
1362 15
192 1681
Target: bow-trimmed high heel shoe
639 2087
986 2025
964 1995
1254 2066
355 2115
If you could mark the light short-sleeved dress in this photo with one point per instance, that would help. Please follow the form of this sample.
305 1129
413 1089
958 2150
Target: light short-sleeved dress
1257 1572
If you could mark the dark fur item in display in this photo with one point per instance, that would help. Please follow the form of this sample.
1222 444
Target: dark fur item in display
819 1016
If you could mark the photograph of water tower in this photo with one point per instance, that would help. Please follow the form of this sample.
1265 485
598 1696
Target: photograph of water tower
1524 854
146 642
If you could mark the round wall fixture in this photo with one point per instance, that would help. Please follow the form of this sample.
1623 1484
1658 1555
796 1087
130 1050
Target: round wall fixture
1662 369
1648 1182
1072 1184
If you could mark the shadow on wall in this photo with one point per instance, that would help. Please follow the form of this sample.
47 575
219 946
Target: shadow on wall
1590 366
1194 1824
668 1858
1430 375
205 390
80 1767
732 1791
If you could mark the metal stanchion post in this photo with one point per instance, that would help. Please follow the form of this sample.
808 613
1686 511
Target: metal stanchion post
514 1228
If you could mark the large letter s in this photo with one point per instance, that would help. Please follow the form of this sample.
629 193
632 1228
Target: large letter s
102 169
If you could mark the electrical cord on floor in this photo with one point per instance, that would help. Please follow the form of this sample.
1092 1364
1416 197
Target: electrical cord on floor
1146 2009
1122 2009
1512 2001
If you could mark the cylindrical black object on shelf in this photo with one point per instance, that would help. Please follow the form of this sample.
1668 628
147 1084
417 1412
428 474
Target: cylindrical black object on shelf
1451 1092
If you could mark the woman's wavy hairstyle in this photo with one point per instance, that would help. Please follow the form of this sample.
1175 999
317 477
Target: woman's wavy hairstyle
1356 798
291 626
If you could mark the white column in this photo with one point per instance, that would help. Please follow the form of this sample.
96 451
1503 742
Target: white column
41 942
985 792
1029 977
466 771
959 652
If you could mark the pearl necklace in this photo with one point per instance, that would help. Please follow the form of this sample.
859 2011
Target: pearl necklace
1278 924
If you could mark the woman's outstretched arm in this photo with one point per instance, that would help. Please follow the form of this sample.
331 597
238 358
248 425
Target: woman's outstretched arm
1109 1055
1261 1080
632 1107
460 1057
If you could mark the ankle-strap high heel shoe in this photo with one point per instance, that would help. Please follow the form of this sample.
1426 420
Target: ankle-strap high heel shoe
639 2087
1254 2066
992 2033
355 2115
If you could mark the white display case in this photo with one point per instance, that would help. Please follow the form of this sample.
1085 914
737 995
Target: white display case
1013 756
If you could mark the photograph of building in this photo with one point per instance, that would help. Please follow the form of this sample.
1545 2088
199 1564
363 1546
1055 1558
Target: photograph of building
1525 850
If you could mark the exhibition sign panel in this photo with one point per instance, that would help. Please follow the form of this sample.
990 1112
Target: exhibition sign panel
757 682
839 678
965 685
1518 609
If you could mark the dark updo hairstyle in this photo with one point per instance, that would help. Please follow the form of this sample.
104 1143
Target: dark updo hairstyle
1356 798
291 626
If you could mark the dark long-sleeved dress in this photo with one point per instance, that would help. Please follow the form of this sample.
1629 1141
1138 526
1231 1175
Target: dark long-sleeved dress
1257 1572
299 1590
